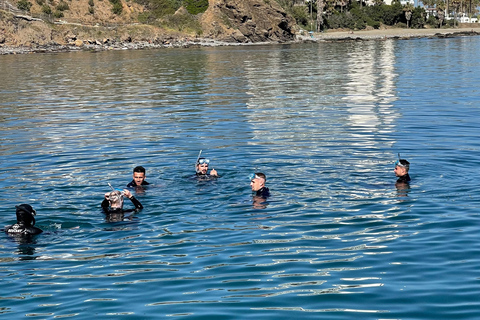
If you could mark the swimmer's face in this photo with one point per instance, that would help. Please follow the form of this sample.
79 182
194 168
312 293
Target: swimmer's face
257 184
202 168
138 177
400 171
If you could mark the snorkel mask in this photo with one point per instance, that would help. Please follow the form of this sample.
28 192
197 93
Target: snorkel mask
115 197
200 161
402 163
203 161
253 176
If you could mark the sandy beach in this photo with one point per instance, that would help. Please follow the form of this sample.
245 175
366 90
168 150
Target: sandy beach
393 33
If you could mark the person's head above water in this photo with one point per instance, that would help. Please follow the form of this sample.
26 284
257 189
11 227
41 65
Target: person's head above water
401 167
139 175
202 165
25 215
115 199
201 168
257 181
25 222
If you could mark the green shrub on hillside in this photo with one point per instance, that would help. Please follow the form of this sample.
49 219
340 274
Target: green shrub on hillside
196 6
300 13
117 7
58 14
24 5
160 8
62 6
182 22
46 9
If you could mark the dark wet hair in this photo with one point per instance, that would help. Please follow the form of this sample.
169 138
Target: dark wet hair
261 175
403 163
139 169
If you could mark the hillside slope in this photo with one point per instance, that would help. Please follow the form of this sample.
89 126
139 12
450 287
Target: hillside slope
80 23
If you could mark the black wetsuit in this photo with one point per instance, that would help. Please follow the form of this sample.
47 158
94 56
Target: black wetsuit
203 177
132 184
264 193
404 179
22 229
106 207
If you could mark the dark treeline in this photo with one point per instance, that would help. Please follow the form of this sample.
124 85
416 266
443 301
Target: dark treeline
356 15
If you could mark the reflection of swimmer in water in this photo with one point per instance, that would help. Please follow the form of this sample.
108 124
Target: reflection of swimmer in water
139 176
201 168
112 205
25 222
261 192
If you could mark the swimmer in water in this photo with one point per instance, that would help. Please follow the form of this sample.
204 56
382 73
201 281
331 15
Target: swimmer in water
25 222
139 176
259 190
401 170
257 182
113 202
201 168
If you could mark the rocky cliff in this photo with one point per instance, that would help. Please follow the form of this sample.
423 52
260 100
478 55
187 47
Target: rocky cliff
244 21
247 21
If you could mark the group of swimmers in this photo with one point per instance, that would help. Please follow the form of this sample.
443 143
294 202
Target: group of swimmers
112 203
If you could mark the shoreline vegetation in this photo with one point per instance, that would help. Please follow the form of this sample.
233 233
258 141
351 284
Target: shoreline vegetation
187 42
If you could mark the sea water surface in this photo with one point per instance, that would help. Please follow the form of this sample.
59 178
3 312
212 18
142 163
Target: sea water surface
338 239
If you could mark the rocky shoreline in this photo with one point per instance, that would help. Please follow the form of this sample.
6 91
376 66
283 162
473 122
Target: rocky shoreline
172 42
95 45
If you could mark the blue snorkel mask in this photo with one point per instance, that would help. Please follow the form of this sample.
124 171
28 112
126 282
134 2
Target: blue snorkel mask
402 162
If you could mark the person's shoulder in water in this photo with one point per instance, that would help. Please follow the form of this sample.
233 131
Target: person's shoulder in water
25 222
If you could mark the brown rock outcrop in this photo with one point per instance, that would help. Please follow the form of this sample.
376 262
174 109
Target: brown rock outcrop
247 21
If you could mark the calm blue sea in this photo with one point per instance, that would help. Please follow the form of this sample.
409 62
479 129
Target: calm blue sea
325 122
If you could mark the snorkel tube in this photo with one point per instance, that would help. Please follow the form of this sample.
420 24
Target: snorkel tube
115 198
113 189
196 162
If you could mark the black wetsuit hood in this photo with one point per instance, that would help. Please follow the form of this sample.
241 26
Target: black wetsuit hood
25 222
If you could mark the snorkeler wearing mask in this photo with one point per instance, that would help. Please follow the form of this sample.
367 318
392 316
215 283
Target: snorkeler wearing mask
401 170
201 168
259 190
113 202
25 221
257 182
